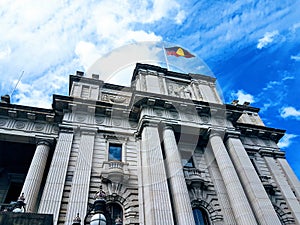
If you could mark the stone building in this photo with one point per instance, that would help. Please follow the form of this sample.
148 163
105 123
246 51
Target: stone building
165 150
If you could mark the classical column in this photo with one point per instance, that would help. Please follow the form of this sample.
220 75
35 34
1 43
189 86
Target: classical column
157 203
255 191
79 193
238 200
180 195
53 191
32 184
292 178
283 185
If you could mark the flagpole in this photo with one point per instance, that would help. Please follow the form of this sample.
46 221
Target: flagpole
166 59
17 84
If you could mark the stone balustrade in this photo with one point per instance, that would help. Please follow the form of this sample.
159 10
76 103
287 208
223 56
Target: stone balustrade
115 171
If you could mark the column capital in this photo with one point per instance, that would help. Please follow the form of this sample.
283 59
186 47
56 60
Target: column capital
67 128
88 131
232 134
149 123
168 127
216 132
45 141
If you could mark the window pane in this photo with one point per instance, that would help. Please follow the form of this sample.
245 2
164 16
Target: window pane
200 217
115 152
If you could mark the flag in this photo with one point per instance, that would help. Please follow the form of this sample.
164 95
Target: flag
178 51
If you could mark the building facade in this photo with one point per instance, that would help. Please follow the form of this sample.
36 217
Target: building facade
165 150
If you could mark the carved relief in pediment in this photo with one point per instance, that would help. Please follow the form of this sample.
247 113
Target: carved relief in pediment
180 90
112 98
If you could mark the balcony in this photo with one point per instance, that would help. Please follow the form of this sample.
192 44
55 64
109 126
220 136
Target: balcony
195 178
115 171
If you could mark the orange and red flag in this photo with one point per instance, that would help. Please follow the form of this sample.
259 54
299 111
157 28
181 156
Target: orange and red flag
178 51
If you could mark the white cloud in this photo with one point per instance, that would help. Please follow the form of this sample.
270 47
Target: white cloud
267 39
286 140
180 17
161 9
295 57
43 39
87 53
242 96
295 27
290 112
5 52
271 85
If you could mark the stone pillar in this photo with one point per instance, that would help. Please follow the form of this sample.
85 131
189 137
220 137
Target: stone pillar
157 203
283 185
228 217
79 193
238 200
32 184
258 197
181 200
289 173
53 191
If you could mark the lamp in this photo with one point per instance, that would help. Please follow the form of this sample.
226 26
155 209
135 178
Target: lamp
97 209
76 220
19 206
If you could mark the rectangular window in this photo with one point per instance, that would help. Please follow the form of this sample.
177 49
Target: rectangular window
115 152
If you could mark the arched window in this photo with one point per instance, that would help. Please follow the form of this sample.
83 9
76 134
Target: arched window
115 211
200 216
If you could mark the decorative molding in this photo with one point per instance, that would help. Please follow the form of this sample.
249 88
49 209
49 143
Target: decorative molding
113 98
270 152
39 126
99 119
3 122
19 124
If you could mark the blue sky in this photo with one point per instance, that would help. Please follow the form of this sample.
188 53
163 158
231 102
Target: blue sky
252 47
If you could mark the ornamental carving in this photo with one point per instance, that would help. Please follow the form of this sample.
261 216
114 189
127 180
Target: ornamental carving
117 122
114 98
3 122
180 90
20 125
133 124
39 126
100 119
189 116
80 118
174 115
158 112
205 118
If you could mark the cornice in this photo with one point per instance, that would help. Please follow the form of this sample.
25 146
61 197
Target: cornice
169 74
260 131
271 152
28 113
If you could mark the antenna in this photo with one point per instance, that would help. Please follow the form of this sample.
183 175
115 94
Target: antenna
17 84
